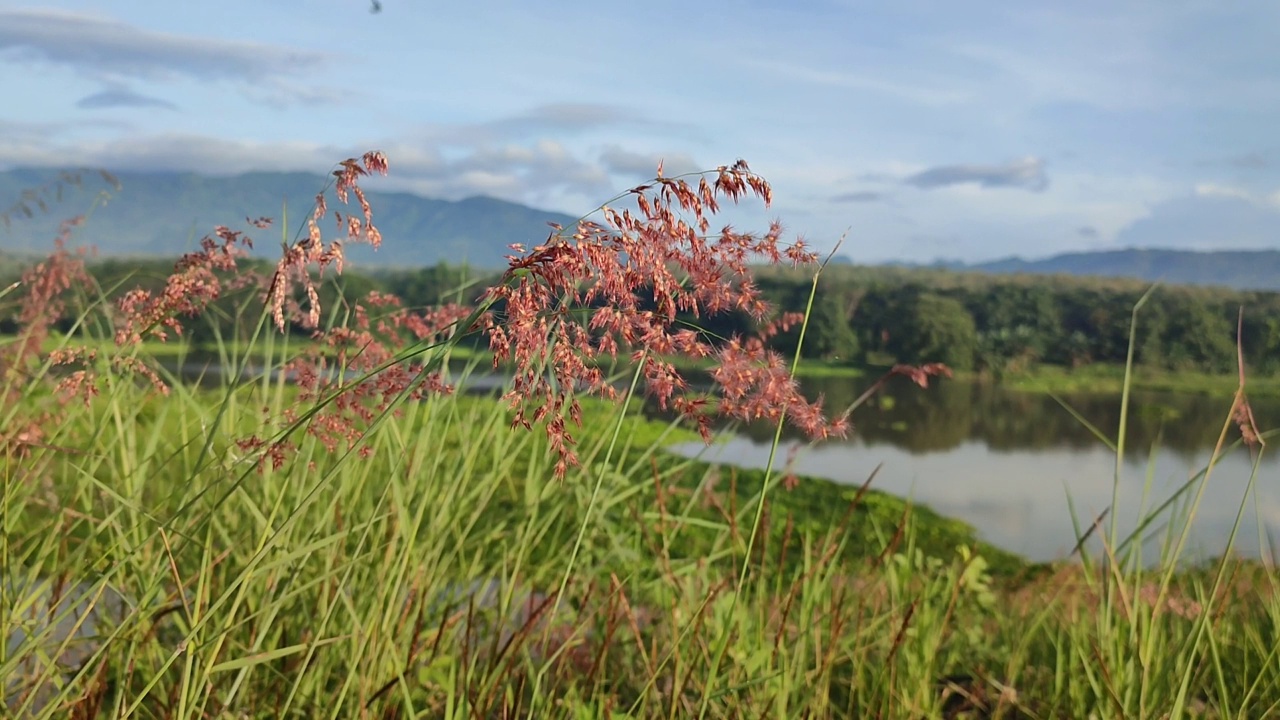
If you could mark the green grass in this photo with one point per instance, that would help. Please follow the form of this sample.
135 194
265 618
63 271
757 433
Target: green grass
1110 379
295 580
148 348
1040 378
317 589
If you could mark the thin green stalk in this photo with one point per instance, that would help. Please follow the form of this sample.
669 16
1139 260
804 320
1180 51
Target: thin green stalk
595 494
760 498
1122 432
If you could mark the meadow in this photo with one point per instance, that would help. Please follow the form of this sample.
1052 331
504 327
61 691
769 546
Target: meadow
355 536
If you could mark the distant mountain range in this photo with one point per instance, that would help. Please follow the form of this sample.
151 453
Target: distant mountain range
1239 269
156 213
166 213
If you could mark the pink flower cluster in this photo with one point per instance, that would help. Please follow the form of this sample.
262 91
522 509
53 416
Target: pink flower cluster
577 299
188 291
295 263
369 347
633 285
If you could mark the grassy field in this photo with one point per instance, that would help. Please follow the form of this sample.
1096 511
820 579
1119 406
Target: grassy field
446 574
1096 378
1111 379
270 550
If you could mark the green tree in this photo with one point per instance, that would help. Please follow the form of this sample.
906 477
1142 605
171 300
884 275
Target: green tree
1026 319
830 335
1006 349
1200 338
936 329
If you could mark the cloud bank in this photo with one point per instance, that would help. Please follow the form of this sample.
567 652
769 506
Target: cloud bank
543 173
109 50
122 98
862 196
1025 174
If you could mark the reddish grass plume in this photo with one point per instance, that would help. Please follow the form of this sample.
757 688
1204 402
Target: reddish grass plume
560 313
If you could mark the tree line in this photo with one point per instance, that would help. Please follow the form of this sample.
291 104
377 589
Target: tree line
1005 323
873 315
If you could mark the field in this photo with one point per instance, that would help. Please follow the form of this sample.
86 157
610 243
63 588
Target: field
359 541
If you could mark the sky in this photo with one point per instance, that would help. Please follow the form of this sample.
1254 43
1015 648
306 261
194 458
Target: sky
909 130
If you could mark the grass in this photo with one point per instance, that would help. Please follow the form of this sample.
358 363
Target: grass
309 574
437 568
1101 378
319 589
1105 378
1039 378
1110 379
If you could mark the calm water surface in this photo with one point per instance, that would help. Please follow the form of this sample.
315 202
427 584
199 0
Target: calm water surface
1007 462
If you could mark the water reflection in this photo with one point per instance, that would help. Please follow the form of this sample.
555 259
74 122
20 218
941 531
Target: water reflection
949 414
1006 461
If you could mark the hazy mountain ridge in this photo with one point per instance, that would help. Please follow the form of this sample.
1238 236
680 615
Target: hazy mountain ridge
1236 269
166 213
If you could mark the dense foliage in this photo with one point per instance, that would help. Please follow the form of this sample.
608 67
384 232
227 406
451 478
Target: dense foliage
1003 323
994 324
342 535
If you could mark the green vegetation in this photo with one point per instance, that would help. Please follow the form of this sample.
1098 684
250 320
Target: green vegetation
940 329
1109 379
366 544
1040 334
317 589
1004 326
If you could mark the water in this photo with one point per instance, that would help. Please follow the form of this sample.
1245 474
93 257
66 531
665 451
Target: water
1006 461
56 627
207 371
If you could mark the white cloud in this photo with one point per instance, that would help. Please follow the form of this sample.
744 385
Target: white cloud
121 97
972 223
112 51
858 196
543 172
1027 173
1211 190
1215 220
554 119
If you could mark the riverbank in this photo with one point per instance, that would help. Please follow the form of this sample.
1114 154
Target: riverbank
312 579
1040 378
1094 378
1110 379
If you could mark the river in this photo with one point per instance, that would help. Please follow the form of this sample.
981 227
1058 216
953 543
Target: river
1012 463
1007 461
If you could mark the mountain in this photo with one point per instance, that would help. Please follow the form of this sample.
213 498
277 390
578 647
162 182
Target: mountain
166 213
1237 269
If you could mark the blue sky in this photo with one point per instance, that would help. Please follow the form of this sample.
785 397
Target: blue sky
924 129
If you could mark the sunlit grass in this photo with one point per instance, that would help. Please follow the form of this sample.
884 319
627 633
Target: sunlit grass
437 567
319 589
1109 379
